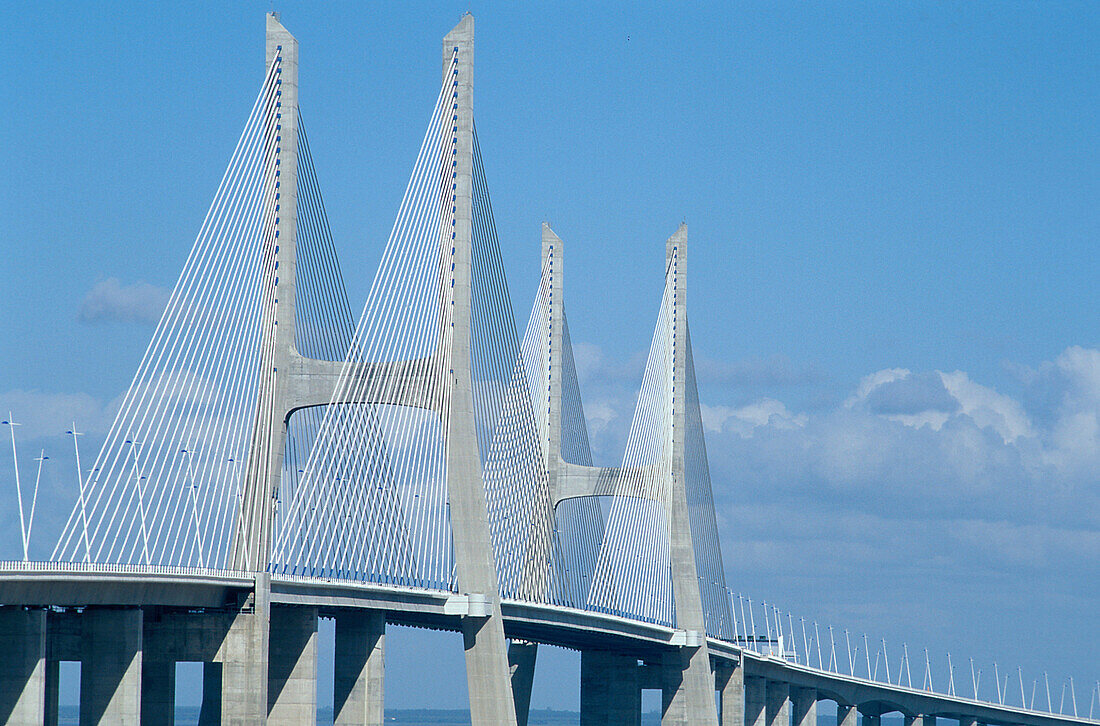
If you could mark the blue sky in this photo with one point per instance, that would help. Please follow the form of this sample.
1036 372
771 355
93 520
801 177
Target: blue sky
893 216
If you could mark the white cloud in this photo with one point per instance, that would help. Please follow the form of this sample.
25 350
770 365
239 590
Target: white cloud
743 420
110 301
1080 369
988 408
873 381
934 398
928 444
599 415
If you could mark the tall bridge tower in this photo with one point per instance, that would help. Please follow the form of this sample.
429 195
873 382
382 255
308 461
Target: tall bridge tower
686 677
289 381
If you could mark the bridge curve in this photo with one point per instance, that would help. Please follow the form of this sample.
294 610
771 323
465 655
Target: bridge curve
430 462
185 611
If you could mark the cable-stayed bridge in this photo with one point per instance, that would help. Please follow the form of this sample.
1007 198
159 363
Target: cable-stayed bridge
274 461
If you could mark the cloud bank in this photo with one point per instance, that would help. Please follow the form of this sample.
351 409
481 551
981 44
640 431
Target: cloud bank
914 497
930 442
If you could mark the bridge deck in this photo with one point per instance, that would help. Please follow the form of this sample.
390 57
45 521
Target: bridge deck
79 585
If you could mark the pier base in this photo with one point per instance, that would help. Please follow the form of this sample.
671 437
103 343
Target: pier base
359 670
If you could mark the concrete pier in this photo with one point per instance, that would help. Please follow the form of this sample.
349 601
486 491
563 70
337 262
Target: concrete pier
685 700
730 683
23 666
53 686
869 720
210 709
778 703
292 669
243 656
158 691
358 669
110 671
804 705
846 715
755 701
610 689
521 661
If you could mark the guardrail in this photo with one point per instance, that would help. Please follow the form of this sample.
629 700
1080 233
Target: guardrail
119 569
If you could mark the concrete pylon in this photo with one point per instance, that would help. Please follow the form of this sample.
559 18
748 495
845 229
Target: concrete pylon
689 681
289 381
549 416
693 702
252 540
522 655
487 672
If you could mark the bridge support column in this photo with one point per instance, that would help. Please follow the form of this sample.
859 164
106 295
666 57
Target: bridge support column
53 693
966 721
846 715
804 702
730 683
682 698
918 720
778 703
210 710
158 692
521 661
110 669
243 657
755 700
359 670
610 690
292 668
869 720
23 666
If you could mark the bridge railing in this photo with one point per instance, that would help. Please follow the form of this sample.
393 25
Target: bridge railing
821 648
120 569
